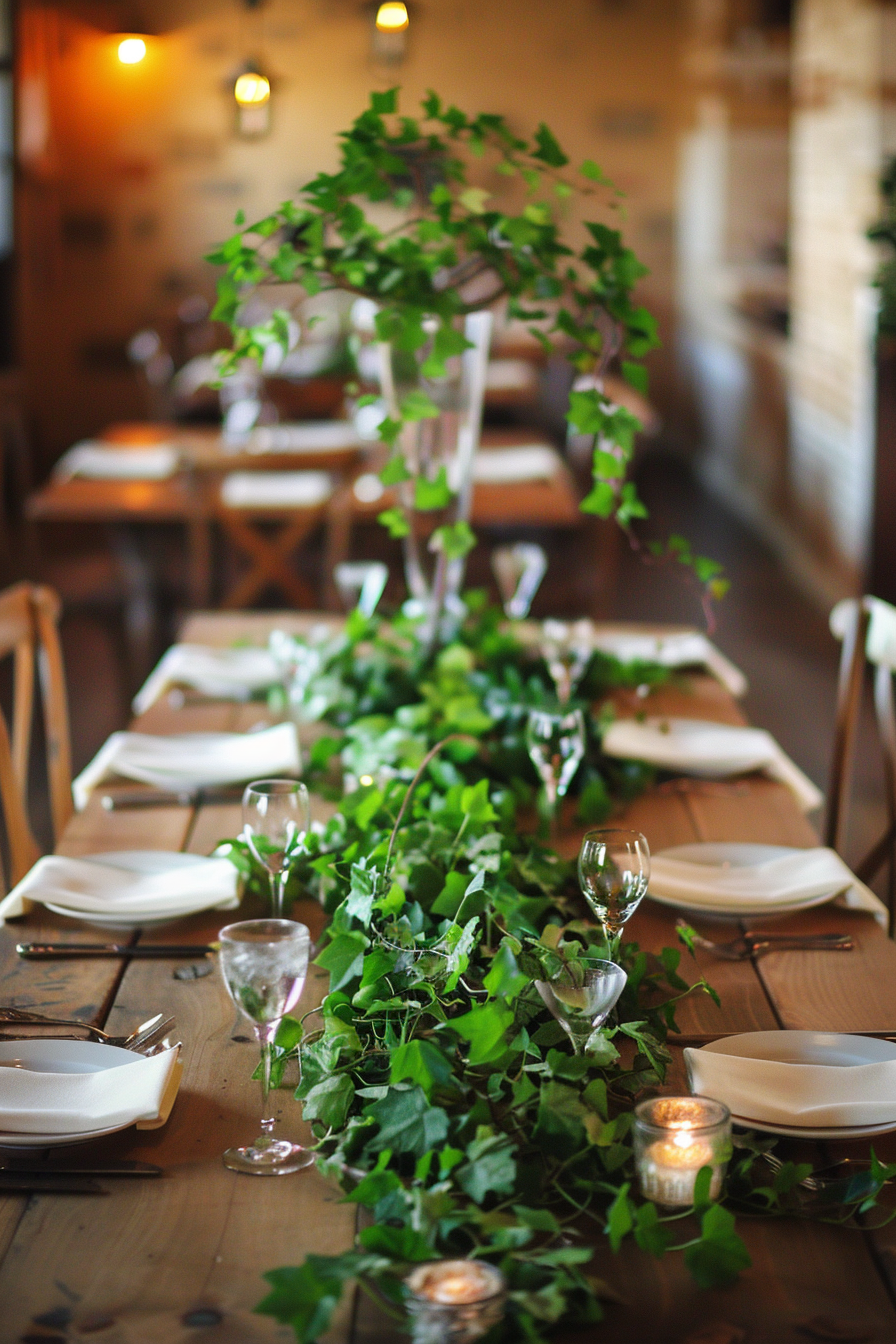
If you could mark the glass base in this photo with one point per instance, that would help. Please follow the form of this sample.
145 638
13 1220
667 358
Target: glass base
276 1159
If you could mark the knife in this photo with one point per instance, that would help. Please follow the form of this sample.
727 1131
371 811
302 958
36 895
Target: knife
116 799
51 951
123 1168
25 1184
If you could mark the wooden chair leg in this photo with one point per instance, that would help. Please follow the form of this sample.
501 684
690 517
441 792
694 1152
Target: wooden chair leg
271 558
849 698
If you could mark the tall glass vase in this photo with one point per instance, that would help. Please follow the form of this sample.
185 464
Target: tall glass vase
432 445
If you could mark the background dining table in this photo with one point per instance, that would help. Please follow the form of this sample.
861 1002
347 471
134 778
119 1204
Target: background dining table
180 1258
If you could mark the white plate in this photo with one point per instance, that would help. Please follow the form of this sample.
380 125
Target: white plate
53 1056
145 861
831 1049
737 855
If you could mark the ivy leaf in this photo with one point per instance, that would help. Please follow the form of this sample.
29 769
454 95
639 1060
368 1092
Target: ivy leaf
343 957
407 1123
635 375
395 471
547 148
395 523
484 1027
505 980
430 495
306 1297
383 103
474 199
490 1166
650 1234
422 1063
717 1259
620 1217
601 500
590 170
329 1101
418 406
398 1243
454 539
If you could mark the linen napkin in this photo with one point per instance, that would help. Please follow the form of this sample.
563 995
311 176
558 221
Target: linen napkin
808 1095
192 760
33 1102
310 436
228 674
275 489
801 874
528 462
99 462
684 648
709 750
88 888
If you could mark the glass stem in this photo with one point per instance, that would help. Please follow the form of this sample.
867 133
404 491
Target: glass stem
267 1118
278 892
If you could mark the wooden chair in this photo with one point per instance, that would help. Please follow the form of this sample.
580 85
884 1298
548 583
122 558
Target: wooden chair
866 628
28 634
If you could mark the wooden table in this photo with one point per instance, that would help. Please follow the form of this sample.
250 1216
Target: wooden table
179 1259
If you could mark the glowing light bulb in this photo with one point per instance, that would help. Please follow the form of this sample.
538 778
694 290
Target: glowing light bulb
251 89
392 17
131 50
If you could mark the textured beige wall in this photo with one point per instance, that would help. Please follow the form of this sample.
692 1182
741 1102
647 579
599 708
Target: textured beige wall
149 155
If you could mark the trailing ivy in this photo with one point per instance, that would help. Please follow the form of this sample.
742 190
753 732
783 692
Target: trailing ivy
444 1099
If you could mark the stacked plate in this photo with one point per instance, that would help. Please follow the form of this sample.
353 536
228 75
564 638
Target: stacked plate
733 880
806 1084
131 889
58 1092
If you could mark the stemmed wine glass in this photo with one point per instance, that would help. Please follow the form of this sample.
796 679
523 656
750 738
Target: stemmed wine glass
582 995
556 744
614 869
275 811
264 963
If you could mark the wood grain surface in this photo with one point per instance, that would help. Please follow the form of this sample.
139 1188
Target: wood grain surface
181 1258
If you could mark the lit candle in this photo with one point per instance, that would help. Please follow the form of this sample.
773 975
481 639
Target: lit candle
454 1301
675 1137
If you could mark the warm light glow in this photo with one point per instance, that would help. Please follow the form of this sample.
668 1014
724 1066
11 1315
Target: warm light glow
251 89
392 17
131 50
366 780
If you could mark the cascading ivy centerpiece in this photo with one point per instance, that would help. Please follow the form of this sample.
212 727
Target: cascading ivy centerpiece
445 1100
413 220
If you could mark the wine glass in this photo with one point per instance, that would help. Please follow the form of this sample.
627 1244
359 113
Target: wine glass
614 869
556 744
582 995
264 963
275 811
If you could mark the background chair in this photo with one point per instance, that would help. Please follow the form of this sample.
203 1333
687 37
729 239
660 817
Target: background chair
866 628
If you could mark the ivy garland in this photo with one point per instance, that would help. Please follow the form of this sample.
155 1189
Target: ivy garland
445 1100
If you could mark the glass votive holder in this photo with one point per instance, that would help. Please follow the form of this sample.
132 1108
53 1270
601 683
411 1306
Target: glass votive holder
454 1301
674 1138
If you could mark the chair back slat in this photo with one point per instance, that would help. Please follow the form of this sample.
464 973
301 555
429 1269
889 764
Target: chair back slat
47 607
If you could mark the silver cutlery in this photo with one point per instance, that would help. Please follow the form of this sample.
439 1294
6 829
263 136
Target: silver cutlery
147 1032
759 944
72 951
27 1183
125 1167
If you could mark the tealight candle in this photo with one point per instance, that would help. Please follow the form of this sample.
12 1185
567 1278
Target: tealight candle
675 1137
454 1301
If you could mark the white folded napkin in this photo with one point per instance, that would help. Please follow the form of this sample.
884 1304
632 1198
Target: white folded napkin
528 462
684 648
33 1102
101 462
89 888
308 436
807 1095
800 874
510 375
192 760
228 674
275 489
709 750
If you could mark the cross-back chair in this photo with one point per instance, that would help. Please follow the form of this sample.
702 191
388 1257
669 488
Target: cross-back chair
866 628
29 615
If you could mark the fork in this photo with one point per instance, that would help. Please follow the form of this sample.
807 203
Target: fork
147 1030
758 944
